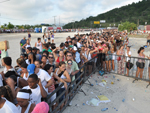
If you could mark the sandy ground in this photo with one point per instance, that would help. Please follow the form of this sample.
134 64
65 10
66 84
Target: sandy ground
122 89
14 41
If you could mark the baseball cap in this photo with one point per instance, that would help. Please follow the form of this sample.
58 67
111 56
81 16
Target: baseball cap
31 68
41 107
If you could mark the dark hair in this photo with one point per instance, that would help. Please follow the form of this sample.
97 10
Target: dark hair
62 44
6 92
44 56
46 45
10 72
7 61
26 91
79 39
47 67
53 46
24 65
38 61
70 42
14 78
34 57
20 61
38 38
49 44
30 49
46 52
61 63
69 60
34 76
66 42
70 53
141 48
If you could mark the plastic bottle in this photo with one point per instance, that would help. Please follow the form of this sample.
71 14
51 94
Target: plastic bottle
123 100
104 109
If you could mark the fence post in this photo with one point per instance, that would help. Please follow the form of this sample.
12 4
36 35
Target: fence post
84 75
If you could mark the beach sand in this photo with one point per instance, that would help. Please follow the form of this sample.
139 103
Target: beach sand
122 89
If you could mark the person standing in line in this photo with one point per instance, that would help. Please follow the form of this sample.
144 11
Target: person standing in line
128 55
148 40
52 37
5 105
4 52
49 37
29 36
23 97
39 44
22 42
45 38
25 46
140 63
121 59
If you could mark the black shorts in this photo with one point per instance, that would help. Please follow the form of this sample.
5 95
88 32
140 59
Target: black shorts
148 41
103 56
49 38
141 65
90 63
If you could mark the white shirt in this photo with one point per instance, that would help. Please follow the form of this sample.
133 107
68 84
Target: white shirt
8 107
44 76
127 56
24 76
28 46
39 46
35 96
75 48
27 61
78 45
27 109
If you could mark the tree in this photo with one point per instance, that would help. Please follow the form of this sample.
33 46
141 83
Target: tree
10 26
127 26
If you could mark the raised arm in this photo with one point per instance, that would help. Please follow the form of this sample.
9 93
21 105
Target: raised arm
43 92
55 53
5 45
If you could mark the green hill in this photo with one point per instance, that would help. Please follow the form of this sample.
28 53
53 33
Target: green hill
138 13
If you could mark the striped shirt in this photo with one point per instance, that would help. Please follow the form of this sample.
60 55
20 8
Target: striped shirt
52 87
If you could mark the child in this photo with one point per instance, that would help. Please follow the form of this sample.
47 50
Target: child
24 106
38 91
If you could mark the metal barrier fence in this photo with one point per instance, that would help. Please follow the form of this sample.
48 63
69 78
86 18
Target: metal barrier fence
85 72
121 65
134 67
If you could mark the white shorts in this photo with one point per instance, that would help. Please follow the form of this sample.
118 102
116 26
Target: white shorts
52 98
52 38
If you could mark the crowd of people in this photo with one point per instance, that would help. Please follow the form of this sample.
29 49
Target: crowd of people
42 68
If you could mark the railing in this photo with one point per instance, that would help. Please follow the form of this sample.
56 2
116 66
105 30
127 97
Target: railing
84 73
125 66
134 67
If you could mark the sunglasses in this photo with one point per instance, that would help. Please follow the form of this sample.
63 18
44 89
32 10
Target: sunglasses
69 63
69 55
50 57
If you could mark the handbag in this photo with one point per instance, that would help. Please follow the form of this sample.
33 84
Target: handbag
119 58
94 54
129 65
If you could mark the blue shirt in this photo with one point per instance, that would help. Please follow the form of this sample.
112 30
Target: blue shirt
23 42
77 58
38 57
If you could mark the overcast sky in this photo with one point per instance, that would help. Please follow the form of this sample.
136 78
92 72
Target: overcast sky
34 12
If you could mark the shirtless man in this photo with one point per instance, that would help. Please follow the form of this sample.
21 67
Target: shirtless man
148 39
